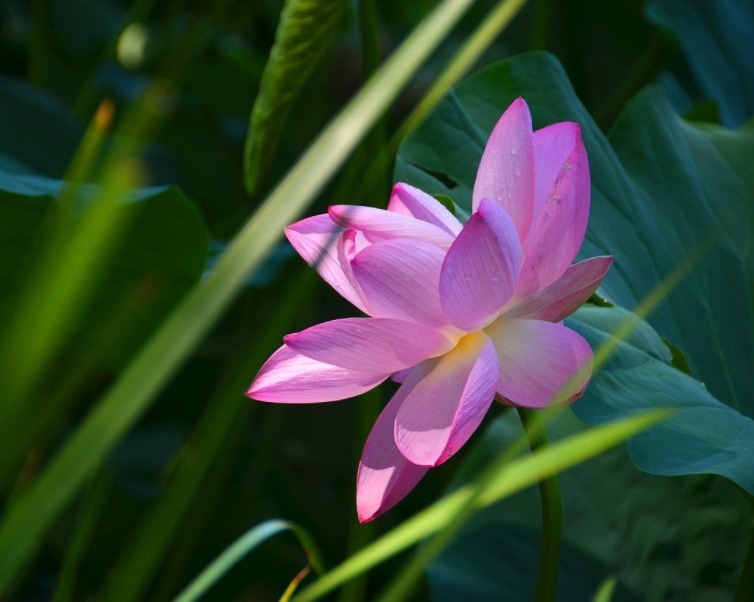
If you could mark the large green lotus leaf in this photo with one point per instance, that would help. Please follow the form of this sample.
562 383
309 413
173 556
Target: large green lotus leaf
652 534
162 251
38 132
663 192
713 36
705 435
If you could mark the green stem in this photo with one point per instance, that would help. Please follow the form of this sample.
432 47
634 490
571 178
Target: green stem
552 520
641 73
503 476
745 591
369 404
38 44
83 530
540 29
359 535
26 522
473 48
370 40
90 94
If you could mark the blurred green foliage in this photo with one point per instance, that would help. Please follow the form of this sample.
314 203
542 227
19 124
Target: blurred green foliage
204 464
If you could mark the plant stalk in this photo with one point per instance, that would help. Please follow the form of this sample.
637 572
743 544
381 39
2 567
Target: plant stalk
745 591
552 521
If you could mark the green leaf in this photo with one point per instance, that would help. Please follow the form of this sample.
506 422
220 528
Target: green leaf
452 207
652 534
38 131
713 36
666 195
304 34
242 546
27 520
605 592
223 420
705 436
495 560
500 478
85 26
678 358
160 255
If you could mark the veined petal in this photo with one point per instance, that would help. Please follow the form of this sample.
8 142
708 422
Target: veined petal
378 224
447 405
317 239
552 146
481 267
541 363
556 237
506 171
371 345
385 476
564 296
415 203
289 377
401 279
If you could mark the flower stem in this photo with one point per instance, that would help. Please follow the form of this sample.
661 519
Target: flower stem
746 586
552 519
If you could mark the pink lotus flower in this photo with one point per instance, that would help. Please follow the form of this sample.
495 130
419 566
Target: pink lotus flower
459 314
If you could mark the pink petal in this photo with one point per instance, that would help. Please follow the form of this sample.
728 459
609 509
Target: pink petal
401 279
564 296
479 272
446 406
371 345
289 377
385 476
317 239
552 146
506 171
556 237
401 375
415 203
541 363
378 224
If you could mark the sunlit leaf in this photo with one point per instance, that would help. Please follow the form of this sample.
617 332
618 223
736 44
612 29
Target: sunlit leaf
663 197
652 534
480 493
27 520
705 436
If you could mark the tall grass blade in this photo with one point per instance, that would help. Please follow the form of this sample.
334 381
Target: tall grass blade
148 546
27 520
515 476
240 548
605 592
